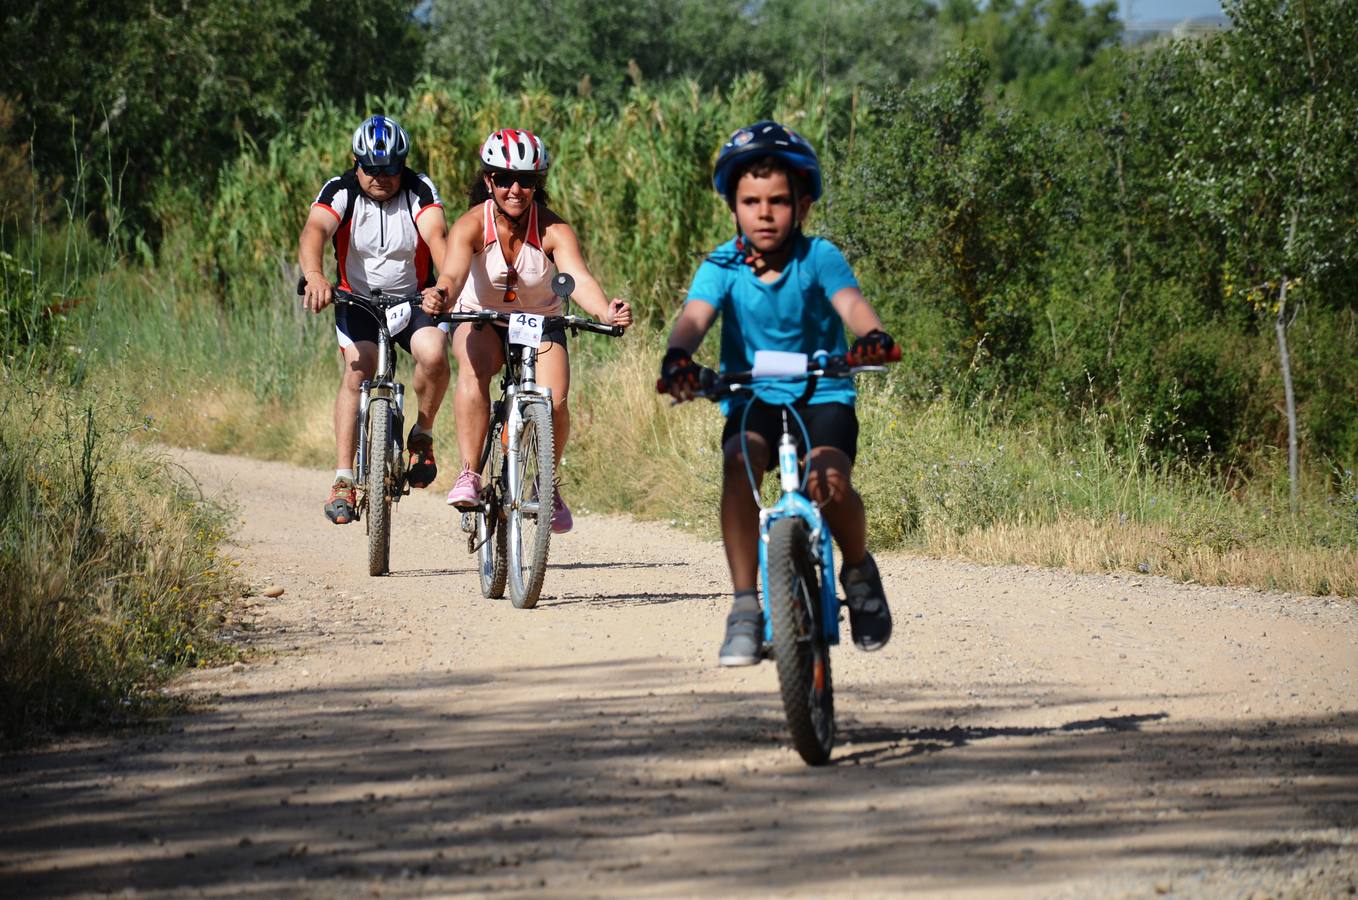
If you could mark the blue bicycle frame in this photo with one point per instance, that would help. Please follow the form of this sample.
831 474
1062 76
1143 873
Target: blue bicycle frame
795 503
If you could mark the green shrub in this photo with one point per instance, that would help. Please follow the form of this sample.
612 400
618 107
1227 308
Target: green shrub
110 571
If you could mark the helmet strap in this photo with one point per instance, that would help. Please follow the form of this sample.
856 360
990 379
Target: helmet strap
514 221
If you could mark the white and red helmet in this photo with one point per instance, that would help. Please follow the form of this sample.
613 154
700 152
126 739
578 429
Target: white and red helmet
515 150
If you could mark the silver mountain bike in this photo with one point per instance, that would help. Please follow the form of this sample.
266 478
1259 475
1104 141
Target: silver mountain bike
510 529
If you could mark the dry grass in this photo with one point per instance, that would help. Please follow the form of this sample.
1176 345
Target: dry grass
1084 545
949 482
110 576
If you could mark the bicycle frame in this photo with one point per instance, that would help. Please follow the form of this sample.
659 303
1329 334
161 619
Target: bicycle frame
519 390
384 385
518 385
795 503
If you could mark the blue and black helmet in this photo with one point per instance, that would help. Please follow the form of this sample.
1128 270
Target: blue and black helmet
380 141
766 138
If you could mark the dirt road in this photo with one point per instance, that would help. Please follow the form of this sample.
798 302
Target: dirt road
1026 733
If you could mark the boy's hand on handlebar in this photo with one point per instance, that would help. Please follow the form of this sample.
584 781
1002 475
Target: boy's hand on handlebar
619 313
679 374
873 348
434 300
317 294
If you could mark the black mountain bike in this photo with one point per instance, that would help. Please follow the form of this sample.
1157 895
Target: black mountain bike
380 459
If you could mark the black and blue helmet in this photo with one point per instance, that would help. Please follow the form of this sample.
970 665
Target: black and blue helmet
380 141
766 138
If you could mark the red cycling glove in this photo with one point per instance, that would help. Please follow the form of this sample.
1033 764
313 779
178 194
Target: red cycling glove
872 348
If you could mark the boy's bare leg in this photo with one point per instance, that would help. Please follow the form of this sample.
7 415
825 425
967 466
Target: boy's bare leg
740 534
830 485
740 512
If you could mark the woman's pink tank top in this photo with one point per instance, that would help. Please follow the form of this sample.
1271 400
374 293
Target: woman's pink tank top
489 276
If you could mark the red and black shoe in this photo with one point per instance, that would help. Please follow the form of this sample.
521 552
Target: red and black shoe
422 469
340 507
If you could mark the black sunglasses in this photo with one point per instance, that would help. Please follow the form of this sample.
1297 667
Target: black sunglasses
525 180
390 169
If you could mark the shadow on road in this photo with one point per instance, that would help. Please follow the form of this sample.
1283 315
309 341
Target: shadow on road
611 779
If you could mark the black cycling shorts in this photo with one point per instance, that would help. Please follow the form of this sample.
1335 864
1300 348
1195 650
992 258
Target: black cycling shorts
357 325
555 335
830 425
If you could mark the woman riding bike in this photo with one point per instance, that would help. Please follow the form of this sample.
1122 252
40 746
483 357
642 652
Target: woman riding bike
502 255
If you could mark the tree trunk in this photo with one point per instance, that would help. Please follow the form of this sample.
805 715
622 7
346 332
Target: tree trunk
1289 398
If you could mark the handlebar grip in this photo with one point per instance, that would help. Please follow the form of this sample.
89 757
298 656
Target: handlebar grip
892 355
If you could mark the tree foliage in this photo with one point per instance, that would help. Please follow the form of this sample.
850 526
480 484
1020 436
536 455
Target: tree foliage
148 92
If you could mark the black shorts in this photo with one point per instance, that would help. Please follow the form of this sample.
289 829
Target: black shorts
356 325
555 335
830 425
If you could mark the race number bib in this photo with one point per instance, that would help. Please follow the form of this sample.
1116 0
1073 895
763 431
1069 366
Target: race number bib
398 317
525 329
778 363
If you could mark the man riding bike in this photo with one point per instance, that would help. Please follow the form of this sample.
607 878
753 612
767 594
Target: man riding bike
387 226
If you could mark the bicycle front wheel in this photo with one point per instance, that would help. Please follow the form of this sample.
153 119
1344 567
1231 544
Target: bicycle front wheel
800 649
379 490
530 512
492 558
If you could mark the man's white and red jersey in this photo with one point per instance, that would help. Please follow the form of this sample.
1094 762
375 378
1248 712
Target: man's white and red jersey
377 245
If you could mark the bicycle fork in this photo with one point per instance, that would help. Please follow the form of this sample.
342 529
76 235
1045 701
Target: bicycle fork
518 399
821 549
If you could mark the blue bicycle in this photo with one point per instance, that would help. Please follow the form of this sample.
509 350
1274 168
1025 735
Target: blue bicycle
796 555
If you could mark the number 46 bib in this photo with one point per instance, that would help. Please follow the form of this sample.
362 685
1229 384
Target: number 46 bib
525 329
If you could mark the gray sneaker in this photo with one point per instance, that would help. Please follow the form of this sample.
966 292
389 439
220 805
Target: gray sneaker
869 616
744 639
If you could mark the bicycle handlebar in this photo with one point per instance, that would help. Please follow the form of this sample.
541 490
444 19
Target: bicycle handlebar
575 323
562 286
715 385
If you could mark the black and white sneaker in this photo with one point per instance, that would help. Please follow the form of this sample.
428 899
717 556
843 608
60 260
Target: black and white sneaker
869 616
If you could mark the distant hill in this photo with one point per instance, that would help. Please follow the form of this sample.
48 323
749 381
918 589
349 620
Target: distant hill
1143 30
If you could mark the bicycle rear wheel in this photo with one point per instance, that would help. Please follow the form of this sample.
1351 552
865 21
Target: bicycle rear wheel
802 655
530 513
492 556
379 490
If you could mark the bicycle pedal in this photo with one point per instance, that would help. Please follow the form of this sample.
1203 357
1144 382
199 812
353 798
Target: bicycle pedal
469 522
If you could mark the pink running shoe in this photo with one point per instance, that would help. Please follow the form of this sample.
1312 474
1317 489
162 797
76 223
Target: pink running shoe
466 492
562 521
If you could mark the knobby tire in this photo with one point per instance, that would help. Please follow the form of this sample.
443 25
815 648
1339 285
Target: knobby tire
530 533
802 655
379 493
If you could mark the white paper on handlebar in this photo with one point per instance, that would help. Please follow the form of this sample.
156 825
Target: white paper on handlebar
525 329
398 317
778 364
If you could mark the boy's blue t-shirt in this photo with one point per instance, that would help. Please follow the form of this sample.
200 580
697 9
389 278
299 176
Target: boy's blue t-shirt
791 314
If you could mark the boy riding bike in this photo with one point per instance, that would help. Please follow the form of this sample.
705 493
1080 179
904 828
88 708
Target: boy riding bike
781 290
387 227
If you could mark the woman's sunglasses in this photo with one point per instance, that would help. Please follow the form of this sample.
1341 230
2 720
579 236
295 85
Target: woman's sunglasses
391 169
511 279
523 179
